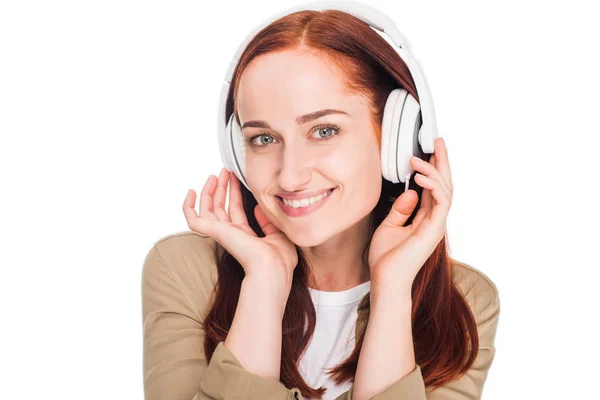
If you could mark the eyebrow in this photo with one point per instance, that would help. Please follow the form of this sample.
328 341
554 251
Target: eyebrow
300 120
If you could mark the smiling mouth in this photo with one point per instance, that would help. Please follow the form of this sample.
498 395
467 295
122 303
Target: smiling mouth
299 204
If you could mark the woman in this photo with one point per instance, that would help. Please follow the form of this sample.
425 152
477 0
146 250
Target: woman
237 308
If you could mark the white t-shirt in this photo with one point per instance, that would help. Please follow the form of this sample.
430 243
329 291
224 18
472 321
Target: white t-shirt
334 337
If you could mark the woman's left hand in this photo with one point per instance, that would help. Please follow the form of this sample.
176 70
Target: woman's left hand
398 252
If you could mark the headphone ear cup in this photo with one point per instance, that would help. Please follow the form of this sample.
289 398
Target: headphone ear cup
239 146
225 147
389 134
399 131
233 150
408 137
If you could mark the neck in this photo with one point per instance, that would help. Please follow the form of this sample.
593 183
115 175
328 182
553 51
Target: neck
338 264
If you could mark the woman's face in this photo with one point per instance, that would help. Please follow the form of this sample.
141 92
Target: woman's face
292 156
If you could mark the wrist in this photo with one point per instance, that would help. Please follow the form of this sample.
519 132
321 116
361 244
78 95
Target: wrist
394 298
268 291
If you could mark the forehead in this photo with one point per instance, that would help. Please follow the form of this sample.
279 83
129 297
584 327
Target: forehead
291 83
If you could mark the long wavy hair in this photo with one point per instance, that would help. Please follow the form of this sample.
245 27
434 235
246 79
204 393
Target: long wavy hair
443 326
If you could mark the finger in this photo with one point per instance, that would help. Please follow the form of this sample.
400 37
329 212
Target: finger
194 222
402 209
267 226
236 207
436 188
424 207
220 196
442 201
435 162
206 199
443 164
188 207
429 169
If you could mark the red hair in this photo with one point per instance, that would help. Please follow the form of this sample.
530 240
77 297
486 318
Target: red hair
444 329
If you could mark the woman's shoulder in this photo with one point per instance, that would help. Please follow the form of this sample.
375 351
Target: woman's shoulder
466 275
480 292
187 260
191 243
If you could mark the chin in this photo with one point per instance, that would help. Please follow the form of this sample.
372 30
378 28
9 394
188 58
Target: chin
308 239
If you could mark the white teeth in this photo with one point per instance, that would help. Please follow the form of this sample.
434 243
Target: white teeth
307 201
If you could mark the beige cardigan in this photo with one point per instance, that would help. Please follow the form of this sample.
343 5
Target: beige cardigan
178 277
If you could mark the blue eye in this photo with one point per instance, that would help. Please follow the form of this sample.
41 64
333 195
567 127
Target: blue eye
329 127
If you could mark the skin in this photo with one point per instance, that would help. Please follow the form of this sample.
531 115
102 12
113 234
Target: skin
296 157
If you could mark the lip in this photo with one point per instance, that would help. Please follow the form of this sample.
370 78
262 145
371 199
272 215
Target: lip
299 212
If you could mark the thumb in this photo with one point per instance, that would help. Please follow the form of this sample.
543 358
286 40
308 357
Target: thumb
402 208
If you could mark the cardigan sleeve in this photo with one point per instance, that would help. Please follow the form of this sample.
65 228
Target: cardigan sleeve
470 385
174 365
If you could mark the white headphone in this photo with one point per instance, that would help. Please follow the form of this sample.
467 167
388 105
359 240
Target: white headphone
407 128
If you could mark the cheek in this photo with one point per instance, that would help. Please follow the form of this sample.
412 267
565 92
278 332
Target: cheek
356 164
357 169
258 171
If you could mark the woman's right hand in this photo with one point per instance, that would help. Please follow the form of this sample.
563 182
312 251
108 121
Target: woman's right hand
271 257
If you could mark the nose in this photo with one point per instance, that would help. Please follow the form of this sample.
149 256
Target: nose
295 168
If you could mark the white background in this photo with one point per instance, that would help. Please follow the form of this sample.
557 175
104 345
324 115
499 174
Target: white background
108 115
